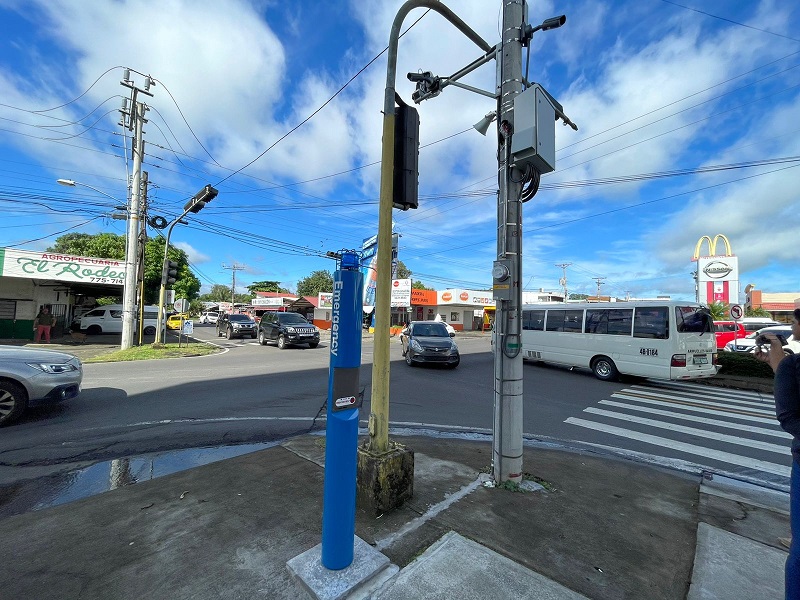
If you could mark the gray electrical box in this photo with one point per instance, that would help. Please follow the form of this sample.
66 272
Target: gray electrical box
502 279
534 139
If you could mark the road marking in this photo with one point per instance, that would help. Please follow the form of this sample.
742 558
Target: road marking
709 406
715 422
725 457
712 435
699 397
728 392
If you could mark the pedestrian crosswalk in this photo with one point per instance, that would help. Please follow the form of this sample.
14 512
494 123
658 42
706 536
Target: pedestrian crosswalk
725 429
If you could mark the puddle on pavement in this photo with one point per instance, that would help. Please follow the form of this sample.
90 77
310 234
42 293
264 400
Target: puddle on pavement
52 490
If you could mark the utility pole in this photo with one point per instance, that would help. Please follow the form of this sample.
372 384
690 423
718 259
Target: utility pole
142 242
563 281
134 113
233 268
599 281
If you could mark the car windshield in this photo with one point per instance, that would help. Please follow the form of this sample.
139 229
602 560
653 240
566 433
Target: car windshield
291 319
430 330
239 318
755 334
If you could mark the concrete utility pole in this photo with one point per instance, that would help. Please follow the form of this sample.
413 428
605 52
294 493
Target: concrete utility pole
233 268
142 242
563 280
599 281
135 123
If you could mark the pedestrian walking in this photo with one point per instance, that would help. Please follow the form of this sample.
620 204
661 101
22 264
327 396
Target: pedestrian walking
42 324
787 410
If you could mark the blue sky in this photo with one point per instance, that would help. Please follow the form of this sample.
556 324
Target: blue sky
654 86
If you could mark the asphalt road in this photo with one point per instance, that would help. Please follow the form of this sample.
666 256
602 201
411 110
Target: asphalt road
253 395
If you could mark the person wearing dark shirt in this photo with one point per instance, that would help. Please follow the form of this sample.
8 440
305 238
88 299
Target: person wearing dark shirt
42 324
787 410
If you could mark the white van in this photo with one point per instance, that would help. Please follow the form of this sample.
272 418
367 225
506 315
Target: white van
108 319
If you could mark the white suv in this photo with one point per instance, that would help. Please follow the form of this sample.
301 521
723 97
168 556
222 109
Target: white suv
748 343
209 317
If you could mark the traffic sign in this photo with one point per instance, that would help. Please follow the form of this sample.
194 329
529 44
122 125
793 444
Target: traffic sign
737 312
181 305
188 328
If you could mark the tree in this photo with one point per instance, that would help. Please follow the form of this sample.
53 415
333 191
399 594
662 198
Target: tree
111 245
218 293
402 271
719 311
318 281
418 285
757 312
266 286
578 296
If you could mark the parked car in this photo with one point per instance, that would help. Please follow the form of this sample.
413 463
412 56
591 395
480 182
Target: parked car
727 331
30 377
748 343
108 319
287 329
209 317
175 321
429 342
232 326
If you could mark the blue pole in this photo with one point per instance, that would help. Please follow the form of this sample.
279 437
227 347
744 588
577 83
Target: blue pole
339 492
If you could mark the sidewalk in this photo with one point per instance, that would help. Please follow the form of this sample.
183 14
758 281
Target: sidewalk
600 528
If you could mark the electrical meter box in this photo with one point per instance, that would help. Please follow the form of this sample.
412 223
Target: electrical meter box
534 139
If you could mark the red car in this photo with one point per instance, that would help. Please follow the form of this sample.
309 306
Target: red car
725 331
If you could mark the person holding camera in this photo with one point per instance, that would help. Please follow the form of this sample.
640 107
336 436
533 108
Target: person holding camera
787 410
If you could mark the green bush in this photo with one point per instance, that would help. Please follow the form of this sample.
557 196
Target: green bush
743 365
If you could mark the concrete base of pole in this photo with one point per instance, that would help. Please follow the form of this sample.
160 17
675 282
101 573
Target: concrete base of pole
366 573
385 481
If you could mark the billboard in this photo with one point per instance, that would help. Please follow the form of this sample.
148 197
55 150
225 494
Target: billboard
369 268
61 267
401 292
717 274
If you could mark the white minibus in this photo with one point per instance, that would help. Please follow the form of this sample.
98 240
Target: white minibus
658 339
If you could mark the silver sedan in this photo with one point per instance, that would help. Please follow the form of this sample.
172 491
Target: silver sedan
29 377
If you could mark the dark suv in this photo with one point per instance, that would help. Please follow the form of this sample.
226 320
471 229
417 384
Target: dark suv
232 326
287 328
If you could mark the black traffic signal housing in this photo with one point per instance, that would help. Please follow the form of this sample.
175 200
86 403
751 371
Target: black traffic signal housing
169 273
406 157
199 200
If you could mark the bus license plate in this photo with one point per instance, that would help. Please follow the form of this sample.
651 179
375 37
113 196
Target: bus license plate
700 360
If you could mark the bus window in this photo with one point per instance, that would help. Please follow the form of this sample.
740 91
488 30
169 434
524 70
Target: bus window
651 322
573 320
611 322
555 320
533 320
690 319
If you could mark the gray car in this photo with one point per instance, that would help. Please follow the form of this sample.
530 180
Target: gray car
429 342
29 377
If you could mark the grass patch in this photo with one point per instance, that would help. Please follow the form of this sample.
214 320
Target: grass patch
545 484
155 351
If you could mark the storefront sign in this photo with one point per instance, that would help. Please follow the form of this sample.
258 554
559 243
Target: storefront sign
325 300
267 302
61 267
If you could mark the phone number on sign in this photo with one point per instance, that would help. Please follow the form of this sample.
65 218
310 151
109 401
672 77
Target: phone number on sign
106 280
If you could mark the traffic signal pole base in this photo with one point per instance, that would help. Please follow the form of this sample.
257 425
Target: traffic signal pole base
368 571
384 481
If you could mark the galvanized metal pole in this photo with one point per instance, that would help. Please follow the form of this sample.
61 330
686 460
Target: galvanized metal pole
507 439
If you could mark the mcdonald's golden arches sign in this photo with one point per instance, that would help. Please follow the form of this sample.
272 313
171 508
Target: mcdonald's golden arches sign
717 273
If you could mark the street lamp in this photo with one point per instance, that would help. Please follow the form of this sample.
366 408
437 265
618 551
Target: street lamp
194 205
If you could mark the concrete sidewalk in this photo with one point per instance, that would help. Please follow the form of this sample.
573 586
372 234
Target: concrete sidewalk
598 527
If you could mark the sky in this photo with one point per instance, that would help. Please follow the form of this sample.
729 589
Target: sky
688 115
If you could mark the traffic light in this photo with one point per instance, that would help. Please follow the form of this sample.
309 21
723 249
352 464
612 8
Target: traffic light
198 201
406 157
169 273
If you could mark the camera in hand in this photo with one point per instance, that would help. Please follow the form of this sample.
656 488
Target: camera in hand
764 341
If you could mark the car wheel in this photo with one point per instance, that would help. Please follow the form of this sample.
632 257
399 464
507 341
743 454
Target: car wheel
262 338
228 333
94 330
604 368
409 362
281 342
313 344
149 330
13 400
252 336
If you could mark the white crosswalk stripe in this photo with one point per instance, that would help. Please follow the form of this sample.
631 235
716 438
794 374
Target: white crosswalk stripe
699 420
